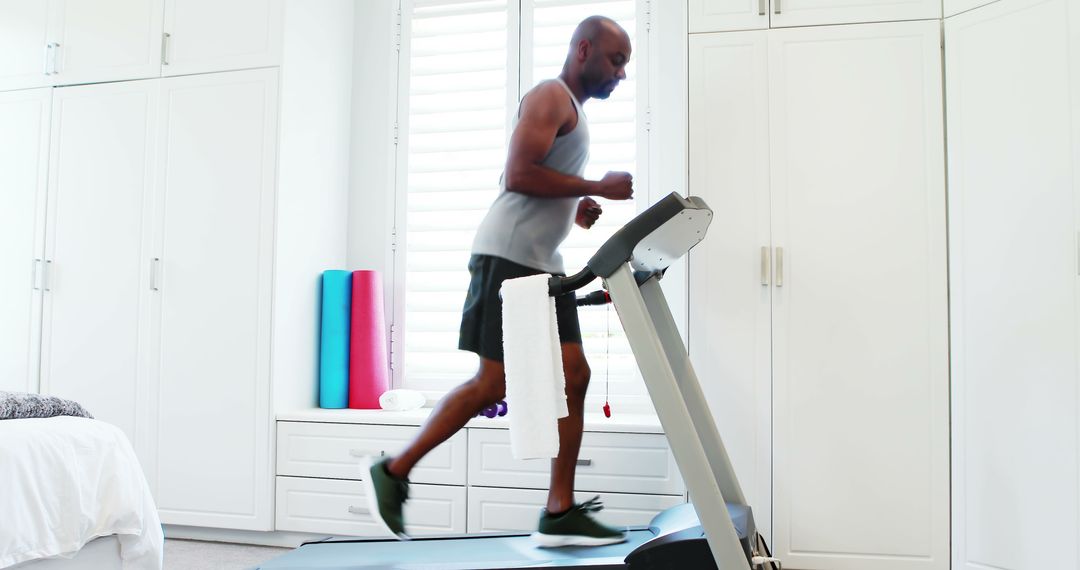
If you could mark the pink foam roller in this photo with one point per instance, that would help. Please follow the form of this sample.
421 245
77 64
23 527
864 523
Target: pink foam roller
368 374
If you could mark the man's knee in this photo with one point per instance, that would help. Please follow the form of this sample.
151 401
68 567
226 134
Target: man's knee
490 383
577 374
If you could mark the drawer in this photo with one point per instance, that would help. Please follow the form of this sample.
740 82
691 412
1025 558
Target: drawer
609 462
330 506
332 451
500 510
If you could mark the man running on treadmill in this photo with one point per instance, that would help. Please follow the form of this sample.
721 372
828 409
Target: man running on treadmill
543 195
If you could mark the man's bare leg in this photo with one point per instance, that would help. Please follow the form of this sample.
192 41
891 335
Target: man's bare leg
564 466
452 413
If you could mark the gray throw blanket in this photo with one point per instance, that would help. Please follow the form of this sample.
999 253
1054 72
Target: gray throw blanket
19 405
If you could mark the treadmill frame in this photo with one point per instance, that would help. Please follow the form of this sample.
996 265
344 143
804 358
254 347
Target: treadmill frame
683 412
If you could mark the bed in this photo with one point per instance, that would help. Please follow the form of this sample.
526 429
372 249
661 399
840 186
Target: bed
74 496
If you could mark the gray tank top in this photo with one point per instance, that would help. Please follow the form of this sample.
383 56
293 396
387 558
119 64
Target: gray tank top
528 230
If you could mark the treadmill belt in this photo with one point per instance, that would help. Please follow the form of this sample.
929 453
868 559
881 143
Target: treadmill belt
459 553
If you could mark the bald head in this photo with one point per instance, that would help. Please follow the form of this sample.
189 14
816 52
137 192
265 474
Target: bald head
599 51
595 27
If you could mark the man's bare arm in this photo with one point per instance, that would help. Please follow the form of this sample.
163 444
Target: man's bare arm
543 113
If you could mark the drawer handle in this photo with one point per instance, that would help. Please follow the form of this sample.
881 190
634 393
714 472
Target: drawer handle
359 510
363 453
584 462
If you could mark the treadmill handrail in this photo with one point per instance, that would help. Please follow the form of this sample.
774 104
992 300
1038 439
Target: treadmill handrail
562 285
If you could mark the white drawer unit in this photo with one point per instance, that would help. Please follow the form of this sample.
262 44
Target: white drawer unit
608 462
328 506
501 510
333 451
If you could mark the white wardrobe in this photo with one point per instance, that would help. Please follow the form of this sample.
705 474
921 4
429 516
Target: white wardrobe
24 152
1013 94
141 239
211 271
154 275
68 42
95 268
820 318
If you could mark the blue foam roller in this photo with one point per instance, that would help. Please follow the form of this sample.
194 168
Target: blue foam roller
334 340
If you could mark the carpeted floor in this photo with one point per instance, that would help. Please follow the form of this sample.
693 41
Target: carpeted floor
197 555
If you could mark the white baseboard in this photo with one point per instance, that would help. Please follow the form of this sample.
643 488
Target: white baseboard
274 538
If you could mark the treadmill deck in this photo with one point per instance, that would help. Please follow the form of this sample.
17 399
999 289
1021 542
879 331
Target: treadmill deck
454 553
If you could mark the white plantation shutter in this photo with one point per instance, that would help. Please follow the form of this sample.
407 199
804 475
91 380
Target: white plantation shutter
549 25
463 61
456 109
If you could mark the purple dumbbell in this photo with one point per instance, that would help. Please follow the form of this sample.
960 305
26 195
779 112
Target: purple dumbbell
497 409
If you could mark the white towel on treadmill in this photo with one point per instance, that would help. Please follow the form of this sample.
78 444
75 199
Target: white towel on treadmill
532 355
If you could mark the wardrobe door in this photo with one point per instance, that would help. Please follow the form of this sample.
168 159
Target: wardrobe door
860 346
24 44
207 35
107 40
24 159
216 182
729 271
1014 173
96 267
790 13
727 15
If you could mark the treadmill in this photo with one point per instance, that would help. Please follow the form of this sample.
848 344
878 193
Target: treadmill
716 530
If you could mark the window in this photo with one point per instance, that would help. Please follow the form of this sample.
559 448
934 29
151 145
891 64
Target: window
464 66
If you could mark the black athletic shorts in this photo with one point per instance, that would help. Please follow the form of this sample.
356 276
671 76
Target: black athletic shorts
481 319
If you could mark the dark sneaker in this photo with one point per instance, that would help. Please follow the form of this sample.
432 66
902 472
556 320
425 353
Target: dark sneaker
385 495
576 527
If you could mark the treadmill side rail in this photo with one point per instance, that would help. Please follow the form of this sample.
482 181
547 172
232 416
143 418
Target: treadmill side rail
703 470
692 395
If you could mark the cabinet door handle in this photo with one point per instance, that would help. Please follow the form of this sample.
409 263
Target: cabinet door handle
584 462
763 7
46 276
51 50
359 510
165 48
779 267
155 270
777 6
55 58
764 266
36 281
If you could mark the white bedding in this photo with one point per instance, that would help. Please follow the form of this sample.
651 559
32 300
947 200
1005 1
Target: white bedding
65 481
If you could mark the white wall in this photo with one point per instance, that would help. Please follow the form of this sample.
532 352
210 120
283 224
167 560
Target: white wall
371 195
371 200
667 151
313 185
